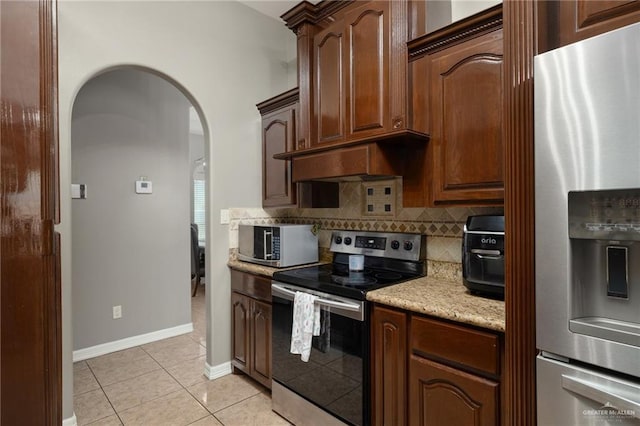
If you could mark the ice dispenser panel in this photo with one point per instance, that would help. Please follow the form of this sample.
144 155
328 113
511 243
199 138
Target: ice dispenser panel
604 232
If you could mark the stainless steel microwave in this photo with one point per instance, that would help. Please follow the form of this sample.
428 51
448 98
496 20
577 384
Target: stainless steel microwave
277 245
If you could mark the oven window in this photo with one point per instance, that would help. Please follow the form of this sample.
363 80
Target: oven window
333 378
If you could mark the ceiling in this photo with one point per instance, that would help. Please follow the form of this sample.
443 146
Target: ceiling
272 8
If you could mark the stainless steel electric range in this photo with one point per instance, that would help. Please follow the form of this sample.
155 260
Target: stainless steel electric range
333 386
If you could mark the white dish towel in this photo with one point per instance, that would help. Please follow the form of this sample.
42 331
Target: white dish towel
306 324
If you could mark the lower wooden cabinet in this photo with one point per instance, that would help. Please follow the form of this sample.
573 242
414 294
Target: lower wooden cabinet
389 337
442 395
427 371
251 326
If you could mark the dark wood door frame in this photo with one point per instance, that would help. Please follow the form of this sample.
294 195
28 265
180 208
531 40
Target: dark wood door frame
520 338
30 304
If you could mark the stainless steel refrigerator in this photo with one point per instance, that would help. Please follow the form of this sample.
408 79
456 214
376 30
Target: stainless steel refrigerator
587 165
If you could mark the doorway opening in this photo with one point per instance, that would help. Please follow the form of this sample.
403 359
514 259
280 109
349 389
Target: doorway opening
137 141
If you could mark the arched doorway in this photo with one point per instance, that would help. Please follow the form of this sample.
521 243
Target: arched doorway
132 149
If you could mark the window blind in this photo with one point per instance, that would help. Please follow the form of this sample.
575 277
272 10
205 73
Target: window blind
199 207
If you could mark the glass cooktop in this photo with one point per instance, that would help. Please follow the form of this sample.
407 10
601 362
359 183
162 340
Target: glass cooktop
336 278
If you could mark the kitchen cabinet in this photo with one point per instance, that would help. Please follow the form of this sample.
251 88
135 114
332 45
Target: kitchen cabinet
565 22
279 134
360 73
457 83
451 371
389 363
251 325
441 395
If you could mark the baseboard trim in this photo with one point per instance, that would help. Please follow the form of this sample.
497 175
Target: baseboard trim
70 421
130 342
217 371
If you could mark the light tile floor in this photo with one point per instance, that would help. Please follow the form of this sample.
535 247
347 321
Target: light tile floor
162 383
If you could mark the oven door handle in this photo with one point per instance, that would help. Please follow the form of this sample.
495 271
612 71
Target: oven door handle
320 301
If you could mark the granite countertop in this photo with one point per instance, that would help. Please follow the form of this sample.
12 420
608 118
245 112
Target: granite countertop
266 271
444 299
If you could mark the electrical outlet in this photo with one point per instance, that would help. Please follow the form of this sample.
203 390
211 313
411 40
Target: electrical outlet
379 198
117 312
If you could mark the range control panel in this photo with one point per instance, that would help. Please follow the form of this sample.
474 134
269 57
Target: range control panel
393 245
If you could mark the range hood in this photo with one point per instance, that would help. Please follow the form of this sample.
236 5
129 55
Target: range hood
384 157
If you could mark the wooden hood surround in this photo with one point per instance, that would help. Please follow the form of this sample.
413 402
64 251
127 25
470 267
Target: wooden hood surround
352 75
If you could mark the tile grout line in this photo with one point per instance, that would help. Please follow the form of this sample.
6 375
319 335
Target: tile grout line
107 397
161 367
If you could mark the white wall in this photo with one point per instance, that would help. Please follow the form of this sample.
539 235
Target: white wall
462 8
226 57
130 249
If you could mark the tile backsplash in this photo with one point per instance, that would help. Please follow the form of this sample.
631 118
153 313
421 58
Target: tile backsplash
443 226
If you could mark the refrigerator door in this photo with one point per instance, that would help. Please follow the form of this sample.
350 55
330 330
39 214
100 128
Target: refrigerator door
587 138
573 395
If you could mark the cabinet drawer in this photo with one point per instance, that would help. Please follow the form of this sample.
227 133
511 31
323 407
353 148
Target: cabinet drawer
251 285
464 346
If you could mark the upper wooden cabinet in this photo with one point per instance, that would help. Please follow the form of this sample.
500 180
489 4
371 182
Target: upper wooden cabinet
352 70
278 135
567 21
358 60
457 83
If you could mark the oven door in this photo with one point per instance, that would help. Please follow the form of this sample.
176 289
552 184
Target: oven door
334 378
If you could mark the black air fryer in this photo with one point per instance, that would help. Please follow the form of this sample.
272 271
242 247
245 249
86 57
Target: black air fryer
483 255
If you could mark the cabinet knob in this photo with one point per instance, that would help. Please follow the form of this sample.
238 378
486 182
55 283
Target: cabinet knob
302 143
397 123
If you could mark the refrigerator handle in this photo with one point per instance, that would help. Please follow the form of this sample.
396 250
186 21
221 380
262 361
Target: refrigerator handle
601 395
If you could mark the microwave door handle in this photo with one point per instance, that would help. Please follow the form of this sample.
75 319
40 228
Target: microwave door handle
267 247
320 301
600 394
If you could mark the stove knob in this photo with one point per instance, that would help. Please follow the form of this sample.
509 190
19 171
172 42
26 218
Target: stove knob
408 245
338 239
347 240
395 244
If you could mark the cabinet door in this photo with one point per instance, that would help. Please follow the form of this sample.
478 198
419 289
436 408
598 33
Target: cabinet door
580 19
440 395
329 93
278 136
240 314
467 109
261 342
389 350
367 69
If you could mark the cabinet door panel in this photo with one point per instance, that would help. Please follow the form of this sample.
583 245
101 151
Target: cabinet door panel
329 84
278 135
467 108
261 342
389 337
441 395
581 19
240 311
368 68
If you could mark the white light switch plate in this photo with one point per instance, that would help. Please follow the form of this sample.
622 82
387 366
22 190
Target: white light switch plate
224 216
78 190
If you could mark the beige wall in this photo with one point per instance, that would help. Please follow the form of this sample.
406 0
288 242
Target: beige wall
225 57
